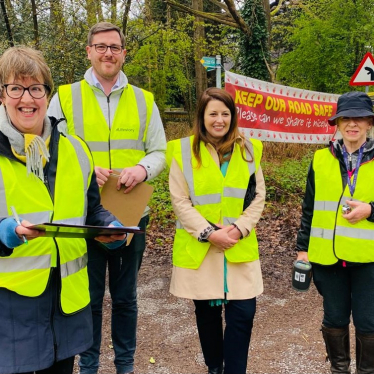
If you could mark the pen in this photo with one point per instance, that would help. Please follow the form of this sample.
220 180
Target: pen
16 218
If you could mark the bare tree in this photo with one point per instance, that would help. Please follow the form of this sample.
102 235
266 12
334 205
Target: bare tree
7 23
35 23
125 17
113 10
199 36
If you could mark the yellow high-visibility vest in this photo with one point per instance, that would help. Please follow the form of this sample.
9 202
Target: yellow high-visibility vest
332 237
26 271
219 199
122 145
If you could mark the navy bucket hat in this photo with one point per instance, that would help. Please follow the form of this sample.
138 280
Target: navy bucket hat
353 104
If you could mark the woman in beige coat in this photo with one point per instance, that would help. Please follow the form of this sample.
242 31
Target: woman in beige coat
218 193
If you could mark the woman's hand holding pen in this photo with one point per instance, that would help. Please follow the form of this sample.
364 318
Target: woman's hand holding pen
225 238
29 234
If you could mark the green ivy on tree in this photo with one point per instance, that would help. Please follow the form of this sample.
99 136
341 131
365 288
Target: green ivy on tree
254 50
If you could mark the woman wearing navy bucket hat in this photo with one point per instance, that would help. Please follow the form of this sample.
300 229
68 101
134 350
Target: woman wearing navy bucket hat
337 233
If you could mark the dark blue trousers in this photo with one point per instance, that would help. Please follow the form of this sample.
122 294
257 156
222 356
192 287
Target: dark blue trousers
231 345
345 291
123 266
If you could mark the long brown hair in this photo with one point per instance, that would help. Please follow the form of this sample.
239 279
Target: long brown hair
225 148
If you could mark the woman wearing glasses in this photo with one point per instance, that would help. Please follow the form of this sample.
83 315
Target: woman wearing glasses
45 317
336 233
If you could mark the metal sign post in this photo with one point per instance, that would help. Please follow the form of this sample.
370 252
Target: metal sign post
218 71
211 63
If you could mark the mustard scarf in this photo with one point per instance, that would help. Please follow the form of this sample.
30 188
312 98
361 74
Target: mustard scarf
29 148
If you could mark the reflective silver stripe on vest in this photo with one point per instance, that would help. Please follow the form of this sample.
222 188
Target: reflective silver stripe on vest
251 165
127 144
206 199
118 144
317 232
178 224
71 221
229 220
187 167
39 217
238 193
35 218
142 110
326 206
3 205
85 166
72 267
98 146
83 159
76 94
226 221
354 233
15 264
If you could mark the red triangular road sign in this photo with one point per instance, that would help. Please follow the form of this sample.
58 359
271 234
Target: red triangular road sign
364 75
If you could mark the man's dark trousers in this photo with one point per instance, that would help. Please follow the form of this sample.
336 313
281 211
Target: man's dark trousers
123 266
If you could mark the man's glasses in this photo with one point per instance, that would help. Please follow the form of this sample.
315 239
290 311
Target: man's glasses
37 91
102 48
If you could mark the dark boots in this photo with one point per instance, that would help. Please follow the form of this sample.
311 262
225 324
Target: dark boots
338 349
364 353
218 370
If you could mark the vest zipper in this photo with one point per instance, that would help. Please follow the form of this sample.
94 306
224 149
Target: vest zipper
110 129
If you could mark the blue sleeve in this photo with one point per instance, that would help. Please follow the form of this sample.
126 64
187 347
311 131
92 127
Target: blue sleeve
118 243
8 236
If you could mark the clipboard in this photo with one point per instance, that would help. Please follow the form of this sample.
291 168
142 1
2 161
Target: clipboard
127 207
59 230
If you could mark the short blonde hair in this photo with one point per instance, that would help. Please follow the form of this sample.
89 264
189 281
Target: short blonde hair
21 62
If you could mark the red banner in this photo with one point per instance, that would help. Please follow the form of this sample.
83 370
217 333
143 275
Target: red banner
272 112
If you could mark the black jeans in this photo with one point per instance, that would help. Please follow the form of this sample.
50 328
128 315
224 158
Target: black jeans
123 266
345 291
232 345
61 367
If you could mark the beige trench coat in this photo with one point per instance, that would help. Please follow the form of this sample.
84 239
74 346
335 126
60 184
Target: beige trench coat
244 280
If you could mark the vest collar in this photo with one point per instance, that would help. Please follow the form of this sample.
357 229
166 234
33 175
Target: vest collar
122 80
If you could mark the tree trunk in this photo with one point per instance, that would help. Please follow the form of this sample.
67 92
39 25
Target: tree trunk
199 35
267 11
125 17
7 23
35 23
113 11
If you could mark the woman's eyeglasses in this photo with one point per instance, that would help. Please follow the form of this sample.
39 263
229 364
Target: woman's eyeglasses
16 91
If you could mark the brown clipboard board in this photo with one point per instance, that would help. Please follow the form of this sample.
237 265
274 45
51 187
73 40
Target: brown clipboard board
127 207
